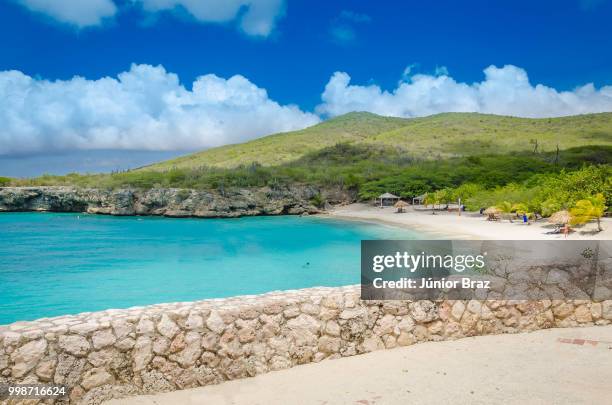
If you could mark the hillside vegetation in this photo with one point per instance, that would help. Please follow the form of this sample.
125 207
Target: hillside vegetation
484 160
438 136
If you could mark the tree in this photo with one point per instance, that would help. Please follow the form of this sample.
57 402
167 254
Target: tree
520 208
506 208
534 142
443 196
465 191
549 207
588 209
433 199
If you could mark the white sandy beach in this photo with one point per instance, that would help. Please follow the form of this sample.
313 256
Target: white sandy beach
467 226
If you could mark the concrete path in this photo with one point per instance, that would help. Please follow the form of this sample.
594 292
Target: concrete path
555 366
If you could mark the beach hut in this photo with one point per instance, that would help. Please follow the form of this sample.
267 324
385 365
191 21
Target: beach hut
400 205
418 200
386 199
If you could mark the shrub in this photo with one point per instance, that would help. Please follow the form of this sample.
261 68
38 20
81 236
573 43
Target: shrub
317 200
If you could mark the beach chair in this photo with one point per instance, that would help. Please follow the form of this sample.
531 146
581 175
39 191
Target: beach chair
492 217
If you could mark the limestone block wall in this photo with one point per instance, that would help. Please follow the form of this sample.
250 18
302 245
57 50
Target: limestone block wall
166 347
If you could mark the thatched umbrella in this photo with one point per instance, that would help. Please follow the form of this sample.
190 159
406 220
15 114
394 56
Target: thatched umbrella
560 217
492 211
400 205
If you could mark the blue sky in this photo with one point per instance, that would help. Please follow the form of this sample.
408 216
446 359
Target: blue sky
293 62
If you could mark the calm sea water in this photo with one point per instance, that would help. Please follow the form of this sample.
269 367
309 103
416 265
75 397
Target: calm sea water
55 264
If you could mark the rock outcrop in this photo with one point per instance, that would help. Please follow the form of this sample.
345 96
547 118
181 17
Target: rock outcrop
170 202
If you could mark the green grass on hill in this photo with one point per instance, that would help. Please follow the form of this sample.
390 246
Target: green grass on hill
365 169
482 159
287 146
438 136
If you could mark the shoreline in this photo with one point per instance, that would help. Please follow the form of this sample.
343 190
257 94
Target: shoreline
469 225
443 225
428 230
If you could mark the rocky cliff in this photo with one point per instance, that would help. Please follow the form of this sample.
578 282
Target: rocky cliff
168 202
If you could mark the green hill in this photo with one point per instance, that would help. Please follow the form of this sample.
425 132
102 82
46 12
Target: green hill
437 136
483 159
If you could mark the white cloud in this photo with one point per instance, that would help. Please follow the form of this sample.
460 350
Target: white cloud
143 108
81 13
342 27
147 108
342 34
441 71
504 91
256 17
354 16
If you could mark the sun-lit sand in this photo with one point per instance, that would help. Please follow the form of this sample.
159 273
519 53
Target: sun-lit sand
467 226
499 369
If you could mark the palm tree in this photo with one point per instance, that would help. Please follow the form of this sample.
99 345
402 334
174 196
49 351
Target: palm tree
521 209
506 208
588 209
433 199
443 196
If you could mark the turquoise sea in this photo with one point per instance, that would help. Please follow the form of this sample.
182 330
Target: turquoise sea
54 264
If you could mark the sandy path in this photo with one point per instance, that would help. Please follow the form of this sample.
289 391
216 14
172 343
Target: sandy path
529 368
466 226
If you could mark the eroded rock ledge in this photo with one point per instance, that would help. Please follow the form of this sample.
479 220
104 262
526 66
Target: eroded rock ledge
167 202
166 347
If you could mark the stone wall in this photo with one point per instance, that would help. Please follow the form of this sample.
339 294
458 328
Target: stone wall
175 346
